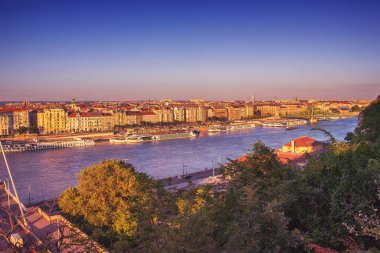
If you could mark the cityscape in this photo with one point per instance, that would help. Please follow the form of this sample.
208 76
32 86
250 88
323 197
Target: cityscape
86 117
190 126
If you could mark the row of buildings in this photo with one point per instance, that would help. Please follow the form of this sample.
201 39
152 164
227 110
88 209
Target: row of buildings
96 117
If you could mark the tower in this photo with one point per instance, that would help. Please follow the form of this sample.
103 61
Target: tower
73 104
253 98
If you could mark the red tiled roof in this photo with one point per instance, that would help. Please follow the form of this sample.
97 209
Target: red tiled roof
242 158
304 141
148 113
133 113
15 109
284 158
91 114
86 114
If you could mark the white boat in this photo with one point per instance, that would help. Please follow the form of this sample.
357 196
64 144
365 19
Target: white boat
214 130
171 136
274 124
18 147
131 139
267 124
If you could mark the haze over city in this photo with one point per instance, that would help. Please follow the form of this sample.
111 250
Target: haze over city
125 50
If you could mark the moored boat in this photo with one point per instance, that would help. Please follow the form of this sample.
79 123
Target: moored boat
176 135
214 130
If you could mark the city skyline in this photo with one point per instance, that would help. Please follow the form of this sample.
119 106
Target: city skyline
214 51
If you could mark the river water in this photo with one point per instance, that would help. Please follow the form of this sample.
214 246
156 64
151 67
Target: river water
48 172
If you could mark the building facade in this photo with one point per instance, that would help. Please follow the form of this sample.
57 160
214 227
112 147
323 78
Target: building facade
6 124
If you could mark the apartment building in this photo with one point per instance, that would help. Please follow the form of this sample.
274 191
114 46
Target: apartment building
119 117
133 117
6 123
149 117
20 118
90 122
220 112
201 114
167 114
234 112
291 109
179 114
190 114
210 112
52 120
268 109
249 110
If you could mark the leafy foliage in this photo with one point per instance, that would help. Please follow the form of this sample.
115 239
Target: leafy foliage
369 127
114 201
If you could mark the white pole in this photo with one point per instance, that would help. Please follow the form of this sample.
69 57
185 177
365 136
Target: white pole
13 185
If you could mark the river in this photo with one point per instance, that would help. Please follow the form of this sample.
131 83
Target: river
48 172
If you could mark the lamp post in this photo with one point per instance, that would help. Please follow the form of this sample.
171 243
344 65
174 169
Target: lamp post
212 166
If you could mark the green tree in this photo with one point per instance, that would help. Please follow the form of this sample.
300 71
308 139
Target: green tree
341 182
111 196
22 130
259 195
33 130
356 108
369 127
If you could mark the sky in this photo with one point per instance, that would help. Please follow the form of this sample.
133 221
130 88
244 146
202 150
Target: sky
135 50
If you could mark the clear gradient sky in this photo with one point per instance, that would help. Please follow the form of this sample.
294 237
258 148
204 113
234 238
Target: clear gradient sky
132 50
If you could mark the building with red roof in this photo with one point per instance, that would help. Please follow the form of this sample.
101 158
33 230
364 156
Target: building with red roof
133 117
90 122
6 123
293 153
150 117
301 145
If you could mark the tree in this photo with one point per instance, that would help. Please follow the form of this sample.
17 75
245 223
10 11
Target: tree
356 108
191 228
339 183
33 130
369 127
259 195
111 196
22 130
